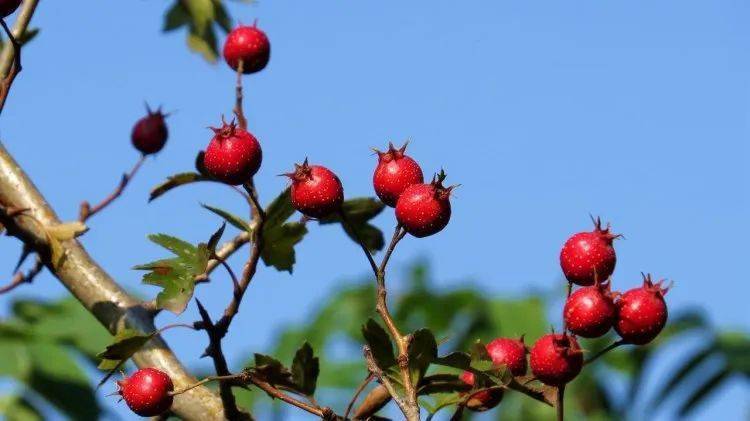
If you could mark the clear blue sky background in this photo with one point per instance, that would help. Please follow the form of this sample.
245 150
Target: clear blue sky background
543 111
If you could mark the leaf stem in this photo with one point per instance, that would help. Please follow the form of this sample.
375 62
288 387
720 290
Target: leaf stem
609 347
359 391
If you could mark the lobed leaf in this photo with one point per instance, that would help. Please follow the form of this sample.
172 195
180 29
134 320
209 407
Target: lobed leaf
305 370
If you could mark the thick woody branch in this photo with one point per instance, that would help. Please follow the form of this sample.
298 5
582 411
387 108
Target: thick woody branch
95 289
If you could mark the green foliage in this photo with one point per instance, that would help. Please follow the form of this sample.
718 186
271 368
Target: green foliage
126 343
176 275
201 17
359 212
175 181
233 219
279 236
302 378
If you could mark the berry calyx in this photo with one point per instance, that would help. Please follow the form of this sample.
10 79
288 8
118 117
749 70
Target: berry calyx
556 359
509 352
147 392
480 401
425 209
7 7
150 132
316 190
642 312
587 256
249 45
395 172
590 311
233 156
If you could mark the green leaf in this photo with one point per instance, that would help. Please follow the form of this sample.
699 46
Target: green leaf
278 245
126 343
222 17
215 238
358 212
380 344
176 17
460 360
177 275
480 358
201 13
176 180
273 371
203 43
58 378
280 209
16 408
14 355
305 370
234 220
422 351
706 388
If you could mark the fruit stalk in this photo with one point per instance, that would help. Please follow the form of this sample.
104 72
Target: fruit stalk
87 211
560 403
238 108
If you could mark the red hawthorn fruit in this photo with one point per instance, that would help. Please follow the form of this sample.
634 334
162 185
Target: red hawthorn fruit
590 311
589 255
150 132
556 359
395 172
316 190
425 209
7 7
509 352
642 312
250 45
233 156
147 392
484 400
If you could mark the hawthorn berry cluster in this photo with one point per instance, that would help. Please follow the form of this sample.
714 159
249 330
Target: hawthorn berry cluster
588 260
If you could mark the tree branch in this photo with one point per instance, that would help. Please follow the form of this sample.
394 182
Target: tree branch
10 61
95 289
21 278
87 211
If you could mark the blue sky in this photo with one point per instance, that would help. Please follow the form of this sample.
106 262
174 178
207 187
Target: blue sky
543 111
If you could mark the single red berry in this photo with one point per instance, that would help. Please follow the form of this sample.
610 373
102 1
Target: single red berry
394 173
642 312
590 311
556 359
316 190
483 400
147 392
249 45
425 209
509 352
150 133
233 156
589 255
7 7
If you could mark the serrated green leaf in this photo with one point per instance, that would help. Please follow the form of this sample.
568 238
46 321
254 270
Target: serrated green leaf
176 180
380 344
460 360
305 370
176 17
358 212
422 351
278 245
203 43
273 371
126 343
177 275
233 219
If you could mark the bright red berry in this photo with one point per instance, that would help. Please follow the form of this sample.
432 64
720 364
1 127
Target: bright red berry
316 190
589 255
7 7
509 352
556 359
425 209
233 156
484 400
147 392
394 173
642 312
249 45
150 133
590 311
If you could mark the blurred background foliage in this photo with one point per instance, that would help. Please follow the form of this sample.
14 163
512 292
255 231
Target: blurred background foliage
46 350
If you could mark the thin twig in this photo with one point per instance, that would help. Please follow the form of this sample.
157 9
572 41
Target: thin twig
238 109
361 243
21 278
15 68
324 412
231 377
87 211
235 282
560 404
609 347
361 387
373 367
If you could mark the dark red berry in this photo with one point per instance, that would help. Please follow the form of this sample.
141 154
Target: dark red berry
509 352
233 156
589 255
150 133
147 392
556 359
590 311
394 173
642 312
425 209
316 190
249 45
484 400
7 7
